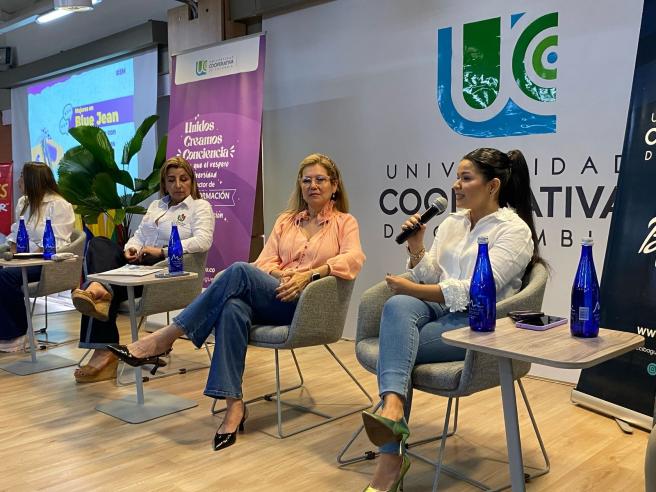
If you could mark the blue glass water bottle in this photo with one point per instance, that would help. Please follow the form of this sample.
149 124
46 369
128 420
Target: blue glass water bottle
49 243
584 320
22 238
482 292
175 251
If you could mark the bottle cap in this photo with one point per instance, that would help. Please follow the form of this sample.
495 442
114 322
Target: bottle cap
482 240
22 217
587 241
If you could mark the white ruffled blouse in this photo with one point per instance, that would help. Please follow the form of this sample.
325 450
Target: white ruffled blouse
451 259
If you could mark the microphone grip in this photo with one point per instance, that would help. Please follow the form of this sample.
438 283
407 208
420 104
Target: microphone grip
406 233
431 212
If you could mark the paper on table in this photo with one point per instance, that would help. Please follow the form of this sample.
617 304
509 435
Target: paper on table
133 270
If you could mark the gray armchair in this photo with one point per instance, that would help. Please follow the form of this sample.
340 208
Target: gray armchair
318 320
449 379
59 276
165 297
162 298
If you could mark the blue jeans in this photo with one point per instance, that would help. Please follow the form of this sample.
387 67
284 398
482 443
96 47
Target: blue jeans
410 333
242 296
12 301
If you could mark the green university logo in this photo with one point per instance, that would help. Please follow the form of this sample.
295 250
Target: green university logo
201 67
534 57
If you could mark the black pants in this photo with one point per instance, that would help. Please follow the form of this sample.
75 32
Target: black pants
12 303
102 255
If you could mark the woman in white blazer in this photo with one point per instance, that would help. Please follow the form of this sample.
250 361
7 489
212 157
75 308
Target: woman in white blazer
40 199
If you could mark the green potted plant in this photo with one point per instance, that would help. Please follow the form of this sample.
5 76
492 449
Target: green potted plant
89 177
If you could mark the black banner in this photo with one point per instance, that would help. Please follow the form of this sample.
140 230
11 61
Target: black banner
628 287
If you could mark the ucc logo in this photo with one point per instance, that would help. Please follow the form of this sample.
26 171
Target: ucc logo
533 58
201 67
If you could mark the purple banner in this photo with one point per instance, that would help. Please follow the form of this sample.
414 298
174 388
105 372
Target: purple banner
215 122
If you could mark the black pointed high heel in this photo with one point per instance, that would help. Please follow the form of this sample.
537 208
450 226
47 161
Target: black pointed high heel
122 352
222 441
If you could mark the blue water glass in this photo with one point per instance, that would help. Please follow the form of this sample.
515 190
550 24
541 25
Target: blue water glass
175 251
49 243
584 319
22 237
482 292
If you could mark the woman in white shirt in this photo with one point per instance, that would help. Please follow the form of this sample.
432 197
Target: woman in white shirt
40 199
492 191
180 204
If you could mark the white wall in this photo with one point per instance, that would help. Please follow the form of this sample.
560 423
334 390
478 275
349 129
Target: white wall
357 80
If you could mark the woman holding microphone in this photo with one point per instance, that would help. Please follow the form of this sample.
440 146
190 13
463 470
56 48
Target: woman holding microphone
493 194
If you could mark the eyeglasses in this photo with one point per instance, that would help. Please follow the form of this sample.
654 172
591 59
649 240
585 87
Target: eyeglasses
320 180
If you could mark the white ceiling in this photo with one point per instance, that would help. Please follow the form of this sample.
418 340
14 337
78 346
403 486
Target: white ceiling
35 41
14 7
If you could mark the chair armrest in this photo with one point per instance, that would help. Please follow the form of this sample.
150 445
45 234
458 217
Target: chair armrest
530 297
159 298
320 313
57 277
371 309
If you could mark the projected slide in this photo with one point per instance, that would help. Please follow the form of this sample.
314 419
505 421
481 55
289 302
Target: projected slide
102 97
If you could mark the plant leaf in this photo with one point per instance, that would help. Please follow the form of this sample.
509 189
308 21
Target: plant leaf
135 210
119 215
160 156
124 178
134 144
95 141
139 197
140 184
104 188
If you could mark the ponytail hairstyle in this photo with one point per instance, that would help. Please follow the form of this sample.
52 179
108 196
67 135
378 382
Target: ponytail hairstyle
515 190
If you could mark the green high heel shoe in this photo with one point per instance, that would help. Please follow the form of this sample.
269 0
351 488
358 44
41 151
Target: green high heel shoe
381 430
405 465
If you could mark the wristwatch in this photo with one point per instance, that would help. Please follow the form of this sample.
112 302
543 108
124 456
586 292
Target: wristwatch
315 276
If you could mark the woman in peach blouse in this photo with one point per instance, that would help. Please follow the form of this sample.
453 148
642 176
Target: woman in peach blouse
313 238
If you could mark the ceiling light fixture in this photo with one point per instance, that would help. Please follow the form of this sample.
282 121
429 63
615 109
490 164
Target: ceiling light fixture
52 15
73 5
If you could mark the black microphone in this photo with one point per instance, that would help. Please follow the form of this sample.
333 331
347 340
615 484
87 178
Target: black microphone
7 256
438 206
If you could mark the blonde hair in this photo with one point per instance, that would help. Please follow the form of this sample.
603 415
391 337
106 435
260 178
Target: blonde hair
177 162
296 203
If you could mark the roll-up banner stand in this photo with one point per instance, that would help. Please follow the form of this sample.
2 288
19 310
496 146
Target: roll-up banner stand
6 199
215 122
624 387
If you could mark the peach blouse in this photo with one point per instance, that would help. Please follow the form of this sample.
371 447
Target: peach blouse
337 244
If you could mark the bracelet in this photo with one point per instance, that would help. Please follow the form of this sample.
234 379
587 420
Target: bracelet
416 257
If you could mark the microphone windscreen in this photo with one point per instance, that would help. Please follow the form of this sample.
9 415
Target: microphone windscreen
7 256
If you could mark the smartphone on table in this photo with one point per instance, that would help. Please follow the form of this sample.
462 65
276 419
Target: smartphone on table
540 323
166 274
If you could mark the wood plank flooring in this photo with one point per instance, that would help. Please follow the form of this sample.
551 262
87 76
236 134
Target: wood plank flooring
52 438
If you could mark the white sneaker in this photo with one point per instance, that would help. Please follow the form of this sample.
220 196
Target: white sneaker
14 345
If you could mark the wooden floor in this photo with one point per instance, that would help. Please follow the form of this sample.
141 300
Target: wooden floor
52 438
